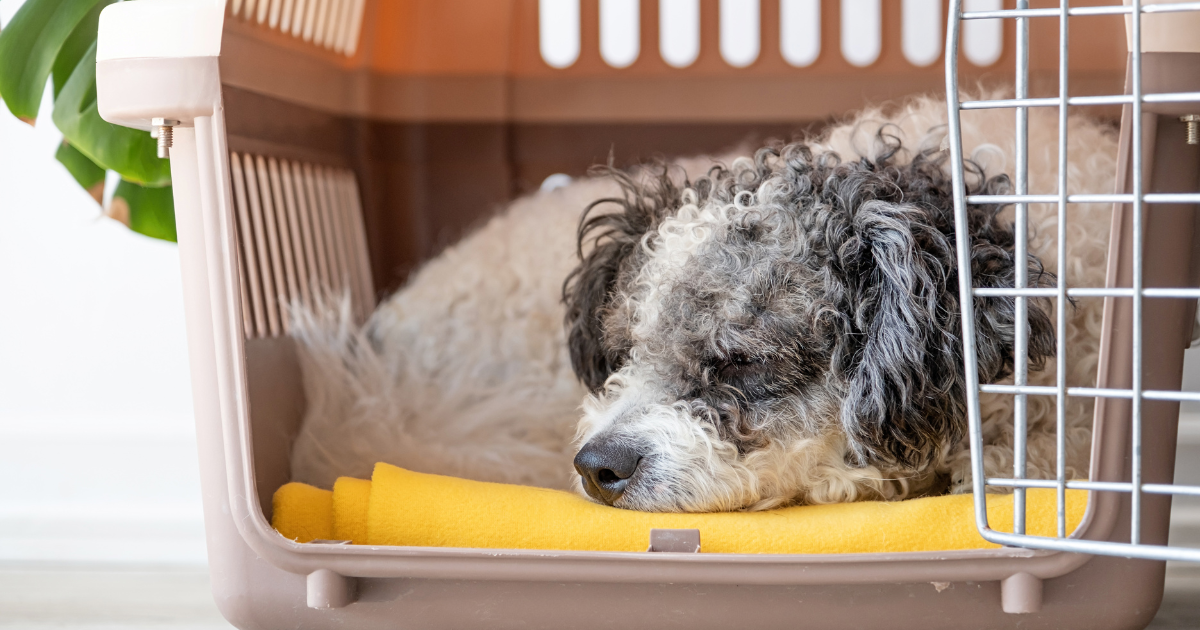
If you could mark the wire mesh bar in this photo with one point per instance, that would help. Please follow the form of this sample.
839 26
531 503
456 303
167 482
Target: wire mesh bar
1171 293
1164 292
1167 488
1053 101
1046 292
1086 198
1098 486
962 245
1021 280
1021 13
1047 484
1102 486
1111 99
1167 8
1091 392
1099 198
1174 396
1007 199
1060 358
1135 82
1175 97
1000 103
1171 198
1099 292
1051 484
1147 552
1017 292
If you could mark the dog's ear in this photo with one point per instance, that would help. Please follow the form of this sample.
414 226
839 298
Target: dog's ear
905 399
609 248
587 292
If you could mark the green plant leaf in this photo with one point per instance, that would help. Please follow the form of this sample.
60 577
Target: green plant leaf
76 46
130 152
29 44
85 171
149 211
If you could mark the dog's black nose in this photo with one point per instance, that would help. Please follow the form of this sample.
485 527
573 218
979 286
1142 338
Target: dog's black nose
606 465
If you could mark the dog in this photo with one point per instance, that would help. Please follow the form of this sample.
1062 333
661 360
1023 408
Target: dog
745 332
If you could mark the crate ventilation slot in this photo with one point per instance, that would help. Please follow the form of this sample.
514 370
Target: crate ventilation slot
741 24
300 236
331 24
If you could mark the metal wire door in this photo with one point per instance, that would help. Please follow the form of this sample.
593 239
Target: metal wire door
1135 199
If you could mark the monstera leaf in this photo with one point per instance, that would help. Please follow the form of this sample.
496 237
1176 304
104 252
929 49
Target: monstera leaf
130 152
83 169
149 211
56 39
76 46
29 45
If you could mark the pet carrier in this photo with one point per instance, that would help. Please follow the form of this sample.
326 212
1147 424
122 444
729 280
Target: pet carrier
319 143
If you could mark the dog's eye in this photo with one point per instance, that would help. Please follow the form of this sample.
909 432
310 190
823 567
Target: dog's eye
737 366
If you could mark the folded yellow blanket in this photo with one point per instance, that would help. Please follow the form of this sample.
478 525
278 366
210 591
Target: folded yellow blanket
401 507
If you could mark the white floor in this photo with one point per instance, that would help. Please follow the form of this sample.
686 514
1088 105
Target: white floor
103 597
106 596
1181 601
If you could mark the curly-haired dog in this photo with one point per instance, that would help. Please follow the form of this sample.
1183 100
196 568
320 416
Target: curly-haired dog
782 330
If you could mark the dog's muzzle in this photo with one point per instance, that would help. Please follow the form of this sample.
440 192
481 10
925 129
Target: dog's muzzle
606 465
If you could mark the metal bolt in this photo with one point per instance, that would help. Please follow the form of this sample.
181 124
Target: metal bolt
163 128
1193 128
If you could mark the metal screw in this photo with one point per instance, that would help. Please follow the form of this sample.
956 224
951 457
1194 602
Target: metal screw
1193 128
163 127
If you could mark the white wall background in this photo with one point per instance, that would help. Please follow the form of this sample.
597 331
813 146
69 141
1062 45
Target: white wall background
97 446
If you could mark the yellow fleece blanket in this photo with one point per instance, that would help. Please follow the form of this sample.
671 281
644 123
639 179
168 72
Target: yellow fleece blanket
401 507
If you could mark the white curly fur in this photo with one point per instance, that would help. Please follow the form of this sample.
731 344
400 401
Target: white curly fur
466 371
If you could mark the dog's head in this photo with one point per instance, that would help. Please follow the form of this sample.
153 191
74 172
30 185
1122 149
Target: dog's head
783 331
